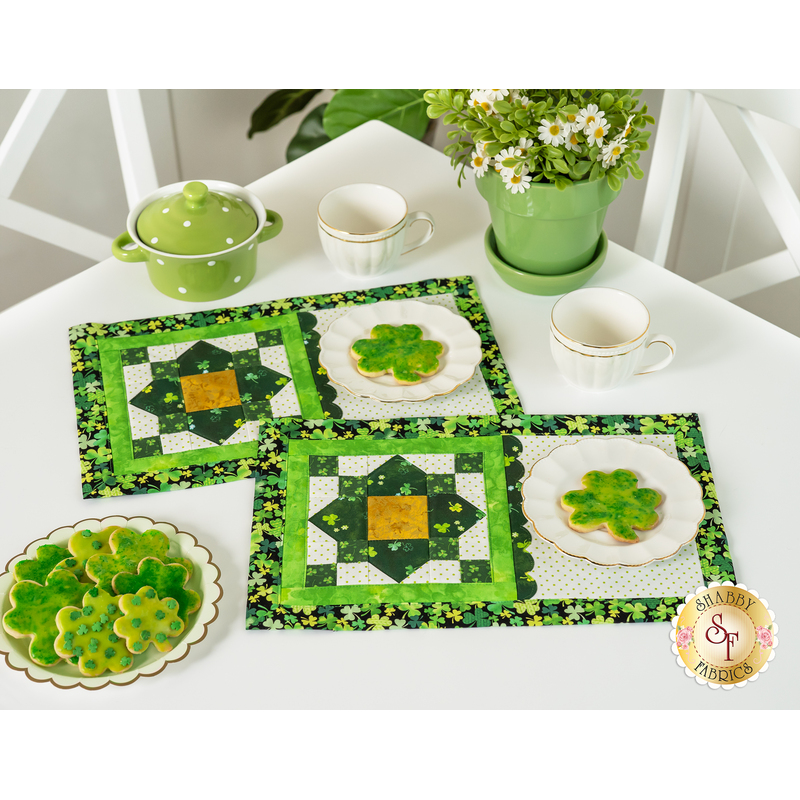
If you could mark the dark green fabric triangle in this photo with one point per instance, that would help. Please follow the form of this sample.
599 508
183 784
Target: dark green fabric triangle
397 477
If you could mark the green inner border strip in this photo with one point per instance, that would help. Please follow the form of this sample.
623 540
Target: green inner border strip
293 564
293 558
117 403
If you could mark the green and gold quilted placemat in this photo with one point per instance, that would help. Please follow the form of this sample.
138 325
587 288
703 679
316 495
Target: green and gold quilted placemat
176 402
418 523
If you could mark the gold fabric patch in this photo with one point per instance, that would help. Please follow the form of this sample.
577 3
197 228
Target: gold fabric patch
210 390
397 517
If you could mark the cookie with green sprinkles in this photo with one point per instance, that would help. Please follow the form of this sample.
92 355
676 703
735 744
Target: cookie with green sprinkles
87 633
74 566
85 544
34 610
612 500
399 350
168 580
128 548
148 620
38 568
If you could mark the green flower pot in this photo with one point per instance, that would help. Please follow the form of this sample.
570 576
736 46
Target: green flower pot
544 230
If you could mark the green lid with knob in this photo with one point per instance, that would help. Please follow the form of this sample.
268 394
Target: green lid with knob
196 222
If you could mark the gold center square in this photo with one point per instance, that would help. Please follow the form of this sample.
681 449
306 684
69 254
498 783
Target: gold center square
397 517
210 390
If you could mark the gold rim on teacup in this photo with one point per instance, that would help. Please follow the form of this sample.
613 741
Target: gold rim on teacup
559 333
362 237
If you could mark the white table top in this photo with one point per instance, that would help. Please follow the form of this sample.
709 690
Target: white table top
740 373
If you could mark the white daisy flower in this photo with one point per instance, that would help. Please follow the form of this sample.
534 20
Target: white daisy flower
480 163
493 95
551 132
628 128
525 145
523 99
509 152
478 98
588 116
516 183
571 142
596 132
571 125
611 152
480 148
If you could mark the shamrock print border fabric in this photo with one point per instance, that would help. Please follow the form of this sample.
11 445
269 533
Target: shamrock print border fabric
176 402
328 550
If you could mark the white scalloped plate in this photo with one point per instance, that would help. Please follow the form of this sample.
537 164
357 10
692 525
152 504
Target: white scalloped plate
64 675
680 513
461 356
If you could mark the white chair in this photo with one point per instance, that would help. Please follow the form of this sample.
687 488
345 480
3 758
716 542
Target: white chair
733 109
136 159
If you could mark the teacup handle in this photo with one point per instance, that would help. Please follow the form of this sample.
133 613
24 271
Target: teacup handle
121 248
416 216
660 339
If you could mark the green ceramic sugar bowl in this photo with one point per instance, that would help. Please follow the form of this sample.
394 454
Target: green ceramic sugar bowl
198 238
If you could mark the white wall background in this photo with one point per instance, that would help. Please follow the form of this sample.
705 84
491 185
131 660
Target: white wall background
74 173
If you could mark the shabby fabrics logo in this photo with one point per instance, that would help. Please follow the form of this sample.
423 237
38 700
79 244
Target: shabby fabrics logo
724 635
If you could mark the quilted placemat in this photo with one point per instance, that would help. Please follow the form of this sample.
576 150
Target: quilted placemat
176 402
418 523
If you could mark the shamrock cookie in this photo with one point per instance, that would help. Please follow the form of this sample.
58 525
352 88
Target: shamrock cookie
34 612
85 544
38 568
148 620
167 580
87 634
613 501
127 550
398 350
72 565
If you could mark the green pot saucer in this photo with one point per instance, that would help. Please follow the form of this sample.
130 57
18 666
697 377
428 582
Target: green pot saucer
534 283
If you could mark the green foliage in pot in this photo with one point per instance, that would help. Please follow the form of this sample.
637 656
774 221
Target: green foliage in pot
555 136
404 109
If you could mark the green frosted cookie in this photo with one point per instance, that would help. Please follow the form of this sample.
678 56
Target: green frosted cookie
38 568
167 580
613 501
85 544
399 350
34 612
87 634
128 548
72 565
148 620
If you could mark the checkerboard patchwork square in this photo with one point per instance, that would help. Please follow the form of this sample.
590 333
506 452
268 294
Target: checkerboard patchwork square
208 392
399 526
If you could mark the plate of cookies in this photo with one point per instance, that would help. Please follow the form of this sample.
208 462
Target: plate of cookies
400 350
613 501
106 602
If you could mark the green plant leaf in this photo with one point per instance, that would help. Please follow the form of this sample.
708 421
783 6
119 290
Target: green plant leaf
277 106
310 135
404 109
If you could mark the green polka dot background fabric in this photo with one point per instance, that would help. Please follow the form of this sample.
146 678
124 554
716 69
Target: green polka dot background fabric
366 525
176 402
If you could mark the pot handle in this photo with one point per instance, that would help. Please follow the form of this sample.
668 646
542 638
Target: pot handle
269 231
123 241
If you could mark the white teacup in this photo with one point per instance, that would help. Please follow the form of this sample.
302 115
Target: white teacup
598 337
363 228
